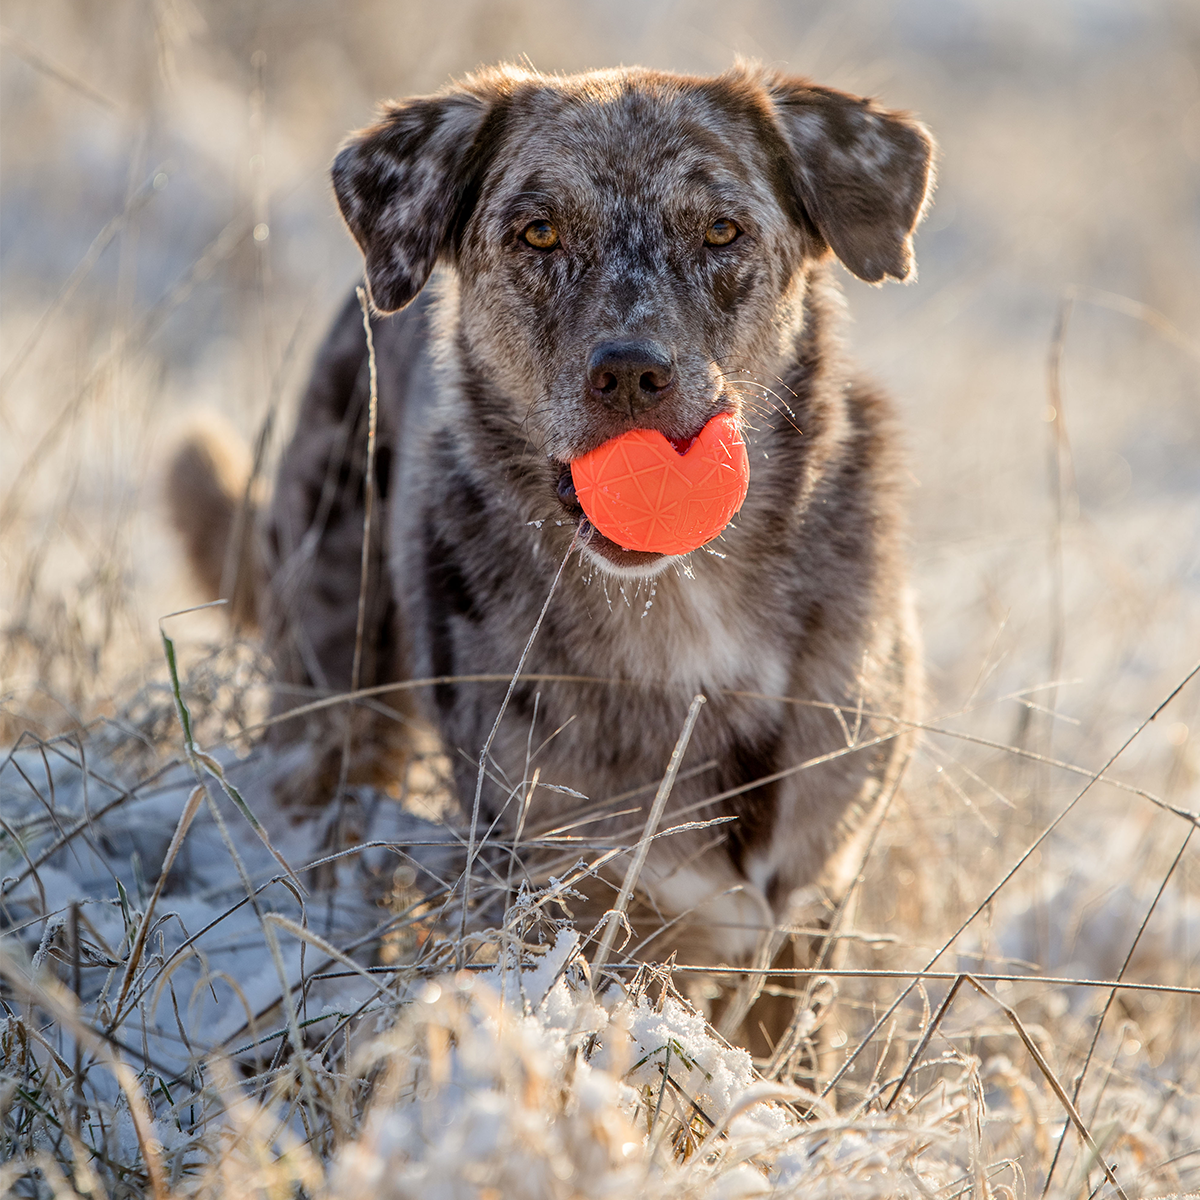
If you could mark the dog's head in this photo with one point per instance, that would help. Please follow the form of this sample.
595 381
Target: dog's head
628 244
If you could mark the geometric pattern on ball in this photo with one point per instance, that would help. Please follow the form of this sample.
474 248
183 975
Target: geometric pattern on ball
643 494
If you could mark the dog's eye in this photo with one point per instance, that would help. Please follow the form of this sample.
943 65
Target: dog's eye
541 234
721 232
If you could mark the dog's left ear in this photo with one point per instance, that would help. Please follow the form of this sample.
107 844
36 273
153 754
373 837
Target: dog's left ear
404 186
862 174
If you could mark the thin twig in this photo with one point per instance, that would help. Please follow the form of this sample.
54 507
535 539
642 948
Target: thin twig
25 49
1140 312
639 859
1052 1080
1029 852
1060 472
1112 993
364 568
785 1047
148 190
491 737
1174 989
930 1028
135 952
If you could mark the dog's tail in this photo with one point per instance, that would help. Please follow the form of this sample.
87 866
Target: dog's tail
211 502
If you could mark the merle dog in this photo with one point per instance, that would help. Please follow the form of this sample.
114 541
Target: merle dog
567 259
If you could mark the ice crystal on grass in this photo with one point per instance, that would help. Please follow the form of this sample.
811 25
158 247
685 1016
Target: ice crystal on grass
520 1080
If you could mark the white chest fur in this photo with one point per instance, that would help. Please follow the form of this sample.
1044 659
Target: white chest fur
696 634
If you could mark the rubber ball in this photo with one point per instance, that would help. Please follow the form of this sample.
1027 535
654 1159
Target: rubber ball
644 493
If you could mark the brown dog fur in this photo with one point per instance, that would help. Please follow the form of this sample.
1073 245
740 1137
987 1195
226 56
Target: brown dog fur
798 630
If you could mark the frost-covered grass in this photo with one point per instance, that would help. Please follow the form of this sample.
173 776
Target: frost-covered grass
202 1000
284 1017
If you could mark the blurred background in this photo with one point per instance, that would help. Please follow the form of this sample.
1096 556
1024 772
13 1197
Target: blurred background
169 244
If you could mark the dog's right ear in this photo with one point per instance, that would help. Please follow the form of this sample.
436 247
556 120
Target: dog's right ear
404 184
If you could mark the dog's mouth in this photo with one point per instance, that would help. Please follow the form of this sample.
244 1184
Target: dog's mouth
590 536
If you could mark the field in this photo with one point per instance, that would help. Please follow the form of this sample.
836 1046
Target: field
202 995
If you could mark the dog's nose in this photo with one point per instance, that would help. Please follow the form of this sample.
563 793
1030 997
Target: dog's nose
630 376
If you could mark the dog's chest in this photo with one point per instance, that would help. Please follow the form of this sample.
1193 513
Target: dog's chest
685 635
694 638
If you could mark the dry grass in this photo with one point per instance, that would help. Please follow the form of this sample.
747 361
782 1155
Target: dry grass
196 1008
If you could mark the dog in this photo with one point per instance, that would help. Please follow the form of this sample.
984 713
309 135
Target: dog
551 262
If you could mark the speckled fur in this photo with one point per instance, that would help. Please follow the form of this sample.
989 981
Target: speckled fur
804 604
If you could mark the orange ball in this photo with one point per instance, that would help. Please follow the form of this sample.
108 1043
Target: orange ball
644 494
